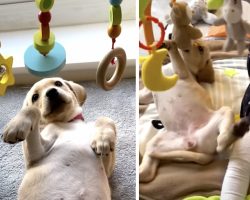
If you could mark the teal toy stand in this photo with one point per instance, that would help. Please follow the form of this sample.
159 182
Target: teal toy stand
41 65
45 57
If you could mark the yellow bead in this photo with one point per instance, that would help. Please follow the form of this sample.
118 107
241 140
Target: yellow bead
114 31
45 5
43 47
115 15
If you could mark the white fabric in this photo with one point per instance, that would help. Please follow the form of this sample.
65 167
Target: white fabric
236 181
225 91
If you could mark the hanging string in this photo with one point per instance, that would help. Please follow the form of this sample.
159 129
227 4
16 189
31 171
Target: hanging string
113 46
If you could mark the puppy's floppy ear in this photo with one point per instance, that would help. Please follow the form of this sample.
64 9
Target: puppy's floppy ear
78 90
26 100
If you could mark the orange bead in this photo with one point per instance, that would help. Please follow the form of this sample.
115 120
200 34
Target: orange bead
45 32
114 31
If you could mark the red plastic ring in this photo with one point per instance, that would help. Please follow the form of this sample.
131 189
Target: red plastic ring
158 44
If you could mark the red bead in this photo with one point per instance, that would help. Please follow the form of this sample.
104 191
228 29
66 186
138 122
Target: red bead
44 17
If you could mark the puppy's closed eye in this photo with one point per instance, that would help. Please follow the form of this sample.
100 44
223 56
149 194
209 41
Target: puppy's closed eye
58 84
35 97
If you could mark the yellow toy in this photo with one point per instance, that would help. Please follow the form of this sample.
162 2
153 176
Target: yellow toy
203 198
209 198
6 74
152 75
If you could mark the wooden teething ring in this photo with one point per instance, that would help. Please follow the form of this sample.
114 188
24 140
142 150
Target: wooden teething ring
101 74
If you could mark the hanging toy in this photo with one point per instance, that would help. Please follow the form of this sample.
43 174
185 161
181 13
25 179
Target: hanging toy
114 30
45 57
6 74
152 75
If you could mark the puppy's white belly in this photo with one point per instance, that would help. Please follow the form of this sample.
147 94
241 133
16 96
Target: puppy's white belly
71 171
185 110
183 105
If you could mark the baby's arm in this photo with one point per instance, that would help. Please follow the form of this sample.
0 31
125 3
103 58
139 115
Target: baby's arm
236 180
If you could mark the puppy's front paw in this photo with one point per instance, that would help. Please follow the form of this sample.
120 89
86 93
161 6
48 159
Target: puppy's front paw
21 125
104 141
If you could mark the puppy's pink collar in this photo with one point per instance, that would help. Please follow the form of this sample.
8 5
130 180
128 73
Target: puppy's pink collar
79 116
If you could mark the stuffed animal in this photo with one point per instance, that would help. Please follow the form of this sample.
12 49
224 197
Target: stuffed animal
200 12
236 27
183 32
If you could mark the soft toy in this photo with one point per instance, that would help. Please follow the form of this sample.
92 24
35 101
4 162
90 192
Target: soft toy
200 12
236 27
183 33
214 4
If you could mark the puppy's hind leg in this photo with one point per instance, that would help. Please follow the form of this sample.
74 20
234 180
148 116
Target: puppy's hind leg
103 142
226 136
25 126
148 168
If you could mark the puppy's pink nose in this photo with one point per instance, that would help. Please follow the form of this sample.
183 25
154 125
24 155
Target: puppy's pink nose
52 93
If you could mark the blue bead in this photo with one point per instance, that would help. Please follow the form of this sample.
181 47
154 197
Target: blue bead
115 2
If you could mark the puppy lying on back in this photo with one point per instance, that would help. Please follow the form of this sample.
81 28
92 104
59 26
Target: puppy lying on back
193 130
62 160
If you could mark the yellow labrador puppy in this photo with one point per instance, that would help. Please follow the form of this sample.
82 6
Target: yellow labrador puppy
62 152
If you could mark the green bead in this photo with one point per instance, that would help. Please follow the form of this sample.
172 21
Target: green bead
115 15
44 47
45 5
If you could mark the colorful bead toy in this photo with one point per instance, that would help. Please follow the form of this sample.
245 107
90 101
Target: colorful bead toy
151 70
6 74
114 30
45 56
